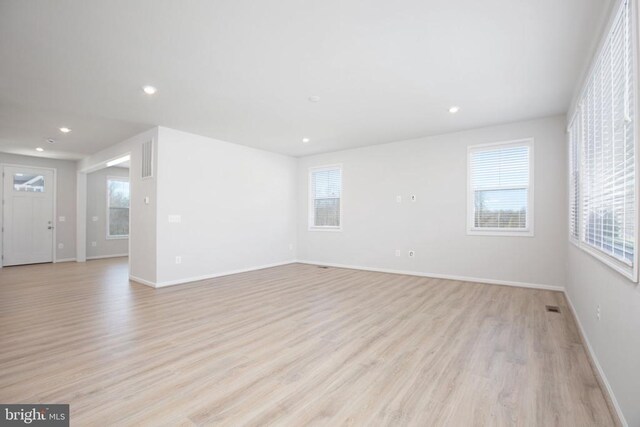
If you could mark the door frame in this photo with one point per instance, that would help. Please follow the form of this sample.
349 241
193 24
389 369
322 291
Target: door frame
54 213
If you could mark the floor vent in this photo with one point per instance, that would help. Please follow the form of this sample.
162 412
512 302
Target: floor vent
553 308
322 266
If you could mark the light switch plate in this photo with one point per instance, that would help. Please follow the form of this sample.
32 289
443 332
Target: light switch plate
62 219
94 218
175 218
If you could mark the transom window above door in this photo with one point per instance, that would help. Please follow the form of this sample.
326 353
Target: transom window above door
28 182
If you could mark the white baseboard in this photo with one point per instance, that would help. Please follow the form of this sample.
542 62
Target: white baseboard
207 276
596 364
442 276
64 260
107 256
226 273
142 281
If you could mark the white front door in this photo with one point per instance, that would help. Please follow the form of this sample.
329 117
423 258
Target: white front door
27 215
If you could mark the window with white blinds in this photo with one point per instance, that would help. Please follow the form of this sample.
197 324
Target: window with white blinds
500 194
325 197
602 137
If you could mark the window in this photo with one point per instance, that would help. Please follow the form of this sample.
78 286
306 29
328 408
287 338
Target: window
325 210
28 182
602 136
117 208
500 195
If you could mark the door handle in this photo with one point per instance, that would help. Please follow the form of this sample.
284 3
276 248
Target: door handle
50 227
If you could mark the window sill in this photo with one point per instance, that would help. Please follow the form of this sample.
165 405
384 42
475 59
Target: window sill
327 228
500 233
627 271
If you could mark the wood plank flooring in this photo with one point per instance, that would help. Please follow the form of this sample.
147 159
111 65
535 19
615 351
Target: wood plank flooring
292 345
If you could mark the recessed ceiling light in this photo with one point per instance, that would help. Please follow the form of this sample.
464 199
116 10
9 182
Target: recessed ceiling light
314 98
149 90
39 149
305 140
65 130
454 109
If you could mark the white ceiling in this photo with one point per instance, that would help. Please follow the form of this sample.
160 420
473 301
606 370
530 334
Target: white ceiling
243 71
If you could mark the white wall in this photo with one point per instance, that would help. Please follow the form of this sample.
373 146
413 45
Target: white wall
615 338
435 170
97 208
237 207
65 200
142 222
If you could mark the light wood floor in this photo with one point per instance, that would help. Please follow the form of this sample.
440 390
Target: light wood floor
292 345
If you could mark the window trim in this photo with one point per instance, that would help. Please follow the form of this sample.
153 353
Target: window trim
107 216
311 198
478 231
573 239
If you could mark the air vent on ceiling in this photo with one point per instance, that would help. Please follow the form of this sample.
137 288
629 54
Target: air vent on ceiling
553 308
147 159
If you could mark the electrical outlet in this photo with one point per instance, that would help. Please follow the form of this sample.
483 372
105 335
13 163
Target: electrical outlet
94 244
598 312
94 218
175 218
178 260
62 219
412 254
60 245
397 252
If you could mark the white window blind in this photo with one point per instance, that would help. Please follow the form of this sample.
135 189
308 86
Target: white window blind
325 192
574 178
500 196
607 148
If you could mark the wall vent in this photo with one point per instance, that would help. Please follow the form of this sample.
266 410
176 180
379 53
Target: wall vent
147 159
553 308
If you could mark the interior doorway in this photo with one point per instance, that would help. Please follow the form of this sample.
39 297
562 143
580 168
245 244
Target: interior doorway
107 216
28 213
